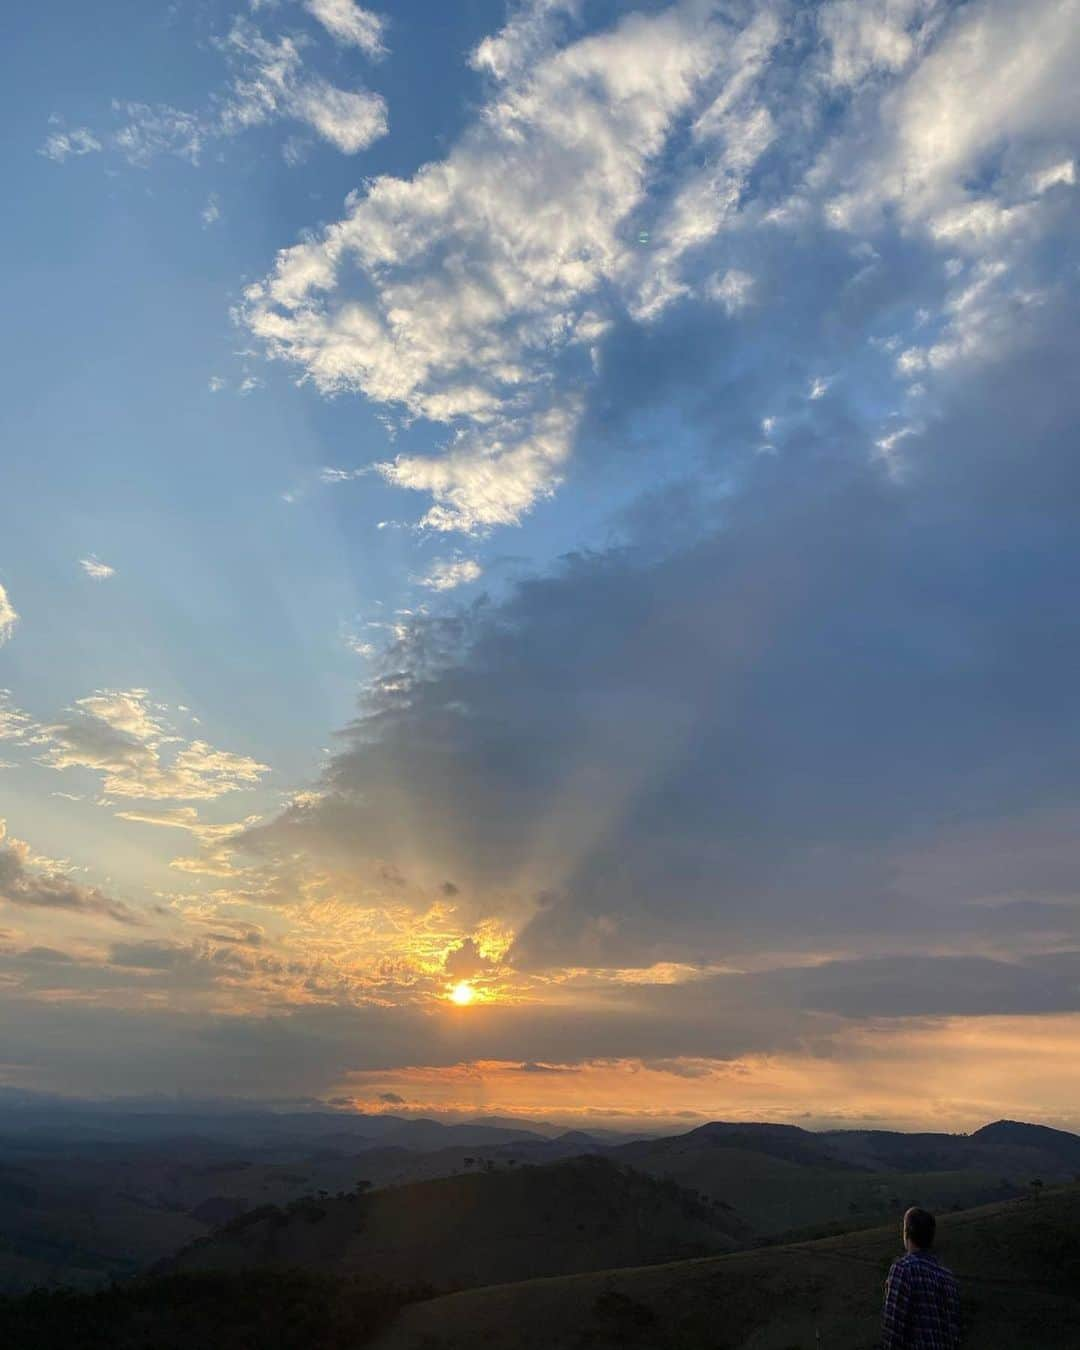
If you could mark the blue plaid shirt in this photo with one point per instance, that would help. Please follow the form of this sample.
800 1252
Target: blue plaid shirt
922 1305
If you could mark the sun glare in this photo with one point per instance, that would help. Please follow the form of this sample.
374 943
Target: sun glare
463 994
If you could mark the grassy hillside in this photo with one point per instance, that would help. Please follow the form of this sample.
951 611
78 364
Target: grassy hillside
460 1231
1019 1265
78 1209
775 1196
1018 1261
82 1216
56 1224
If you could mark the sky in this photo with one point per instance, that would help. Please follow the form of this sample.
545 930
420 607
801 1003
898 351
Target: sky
538 557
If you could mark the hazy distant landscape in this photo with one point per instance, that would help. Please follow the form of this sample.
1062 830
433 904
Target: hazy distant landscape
364 1214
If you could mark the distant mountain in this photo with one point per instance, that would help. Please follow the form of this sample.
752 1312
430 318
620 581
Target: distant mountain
1005 1148
460 1231
286 1131
428 1134
1058 1144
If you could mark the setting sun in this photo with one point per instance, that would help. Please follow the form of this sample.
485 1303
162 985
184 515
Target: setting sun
463 994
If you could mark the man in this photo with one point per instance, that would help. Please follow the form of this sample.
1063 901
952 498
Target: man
922 1298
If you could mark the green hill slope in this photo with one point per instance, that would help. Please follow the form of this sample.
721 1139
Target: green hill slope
775 1196
584 1214
1018 1262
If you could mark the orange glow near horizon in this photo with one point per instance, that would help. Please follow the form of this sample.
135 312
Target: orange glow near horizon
969 1071
462 994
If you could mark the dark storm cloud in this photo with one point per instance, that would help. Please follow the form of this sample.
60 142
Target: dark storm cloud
776 735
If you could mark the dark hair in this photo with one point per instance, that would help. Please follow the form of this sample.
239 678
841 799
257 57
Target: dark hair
919 1226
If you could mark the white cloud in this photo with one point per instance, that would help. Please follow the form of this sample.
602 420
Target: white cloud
524 39
819 387
977 222
487 480
910 361
350 120
62 144
8 617
1062 174
871 37
271 84
483 271
211 212
995 87
448 573
215 384
94 567
348 23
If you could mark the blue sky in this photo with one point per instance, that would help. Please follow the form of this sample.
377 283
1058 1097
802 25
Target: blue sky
570 497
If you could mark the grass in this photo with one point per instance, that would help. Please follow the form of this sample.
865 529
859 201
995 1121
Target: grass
1018 1262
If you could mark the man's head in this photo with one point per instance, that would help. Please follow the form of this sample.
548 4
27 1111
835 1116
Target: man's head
919 1225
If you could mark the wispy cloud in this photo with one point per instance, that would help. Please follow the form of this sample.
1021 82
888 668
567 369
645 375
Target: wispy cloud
61 145
332 475
270 82
448 573
94 567
125 737
211 212
14 723
348 23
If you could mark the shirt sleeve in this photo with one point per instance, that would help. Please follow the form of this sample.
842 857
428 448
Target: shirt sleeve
897 1307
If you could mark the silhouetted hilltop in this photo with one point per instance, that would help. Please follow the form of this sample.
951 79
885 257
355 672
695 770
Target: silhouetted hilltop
1059 1144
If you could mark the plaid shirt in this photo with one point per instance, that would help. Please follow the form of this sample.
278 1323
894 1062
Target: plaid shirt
922 1305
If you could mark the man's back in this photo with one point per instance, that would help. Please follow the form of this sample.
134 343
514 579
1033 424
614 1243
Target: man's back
922 1305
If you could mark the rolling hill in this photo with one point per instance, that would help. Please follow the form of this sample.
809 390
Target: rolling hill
780 1179
460 1231
97 1194
1018 1262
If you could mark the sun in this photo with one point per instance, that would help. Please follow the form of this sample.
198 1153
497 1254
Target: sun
463 994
